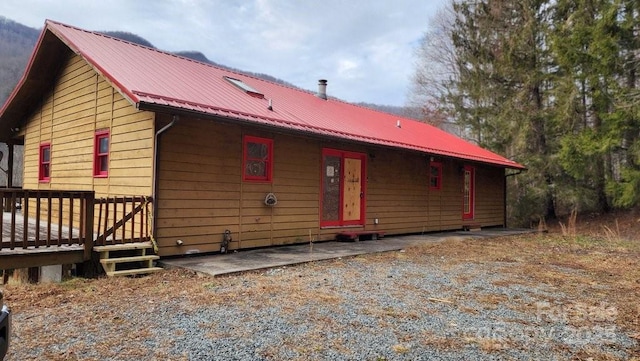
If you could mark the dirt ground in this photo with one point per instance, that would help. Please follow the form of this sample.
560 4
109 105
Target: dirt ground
595 264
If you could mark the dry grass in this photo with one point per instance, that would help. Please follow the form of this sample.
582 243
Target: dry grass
431 339
570 228
597 268
597 271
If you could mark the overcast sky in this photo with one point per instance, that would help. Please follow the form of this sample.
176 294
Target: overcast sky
365 48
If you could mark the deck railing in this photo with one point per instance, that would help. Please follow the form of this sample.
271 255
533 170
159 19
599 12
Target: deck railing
43 218
34 219
123 220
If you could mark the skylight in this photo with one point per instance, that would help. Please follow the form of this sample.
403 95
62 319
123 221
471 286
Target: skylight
246 88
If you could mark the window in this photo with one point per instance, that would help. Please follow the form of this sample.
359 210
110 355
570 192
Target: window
44 169
258 159
244 87
101 154
435 176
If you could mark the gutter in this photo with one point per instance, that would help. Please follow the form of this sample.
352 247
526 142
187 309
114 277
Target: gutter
519 171
156 171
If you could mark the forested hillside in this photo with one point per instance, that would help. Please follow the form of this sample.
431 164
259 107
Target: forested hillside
16 43
552 84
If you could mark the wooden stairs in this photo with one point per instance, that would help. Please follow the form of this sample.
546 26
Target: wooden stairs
127 259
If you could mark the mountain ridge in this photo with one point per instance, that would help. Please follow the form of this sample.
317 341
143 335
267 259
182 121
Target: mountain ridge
17 42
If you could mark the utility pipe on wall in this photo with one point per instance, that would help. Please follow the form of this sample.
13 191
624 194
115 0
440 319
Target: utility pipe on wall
156 156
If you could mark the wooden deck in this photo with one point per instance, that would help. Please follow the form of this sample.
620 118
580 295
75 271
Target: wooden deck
59 227
50 252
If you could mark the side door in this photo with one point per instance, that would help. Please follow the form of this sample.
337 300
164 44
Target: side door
468 192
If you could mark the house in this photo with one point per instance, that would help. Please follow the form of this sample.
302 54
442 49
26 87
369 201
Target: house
218 150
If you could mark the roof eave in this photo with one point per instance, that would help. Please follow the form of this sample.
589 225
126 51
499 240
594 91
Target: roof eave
11 111
126 92
251 120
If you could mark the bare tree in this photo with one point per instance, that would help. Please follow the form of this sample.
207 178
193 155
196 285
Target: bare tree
436 69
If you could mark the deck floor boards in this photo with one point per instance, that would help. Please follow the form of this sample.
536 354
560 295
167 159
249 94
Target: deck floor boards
31 235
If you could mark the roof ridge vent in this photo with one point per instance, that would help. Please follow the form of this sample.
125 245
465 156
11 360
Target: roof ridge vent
322 89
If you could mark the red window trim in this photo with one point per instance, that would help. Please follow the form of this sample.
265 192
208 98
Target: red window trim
41 177
437 165
343 154
97 173
268 178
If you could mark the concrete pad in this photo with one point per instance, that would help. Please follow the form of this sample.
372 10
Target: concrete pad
219 264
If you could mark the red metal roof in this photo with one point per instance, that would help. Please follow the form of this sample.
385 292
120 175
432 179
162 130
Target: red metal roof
151 77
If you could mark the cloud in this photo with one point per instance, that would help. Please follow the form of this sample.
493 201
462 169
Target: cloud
347 68
364 48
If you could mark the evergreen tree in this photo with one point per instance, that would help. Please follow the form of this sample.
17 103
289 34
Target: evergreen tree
501 93
596 51
553 85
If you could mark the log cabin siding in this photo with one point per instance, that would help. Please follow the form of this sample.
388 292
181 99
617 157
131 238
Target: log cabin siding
201 192
200 188
198 194
397 192
449 212
490 203
79 103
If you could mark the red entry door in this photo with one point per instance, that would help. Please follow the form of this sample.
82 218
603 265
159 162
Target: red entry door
343 188
352 191
468 192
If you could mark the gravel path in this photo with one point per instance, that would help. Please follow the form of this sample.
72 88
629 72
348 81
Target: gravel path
402 311
362 308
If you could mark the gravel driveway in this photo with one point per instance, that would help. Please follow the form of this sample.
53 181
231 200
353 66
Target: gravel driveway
393 306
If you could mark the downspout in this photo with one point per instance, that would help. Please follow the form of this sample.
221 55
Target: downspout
504 194
156 156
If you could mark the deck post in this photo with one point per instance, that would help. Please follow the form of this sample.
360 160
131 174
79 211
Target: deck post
89 199
10 165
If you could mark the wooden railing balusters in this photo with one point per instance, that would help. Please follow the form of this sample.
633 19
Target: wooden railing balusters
124 214
89 206
71 216
60 219
106 220
48 221
75 219
38 210
12 207
25 221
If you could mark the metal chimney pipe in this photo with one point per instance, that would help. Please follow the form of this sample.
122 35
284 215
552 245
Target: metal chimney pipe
322 89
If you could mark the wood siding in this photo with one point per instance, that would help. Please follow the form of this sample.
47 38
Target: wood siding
490 203
200 188
81 102
201 192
